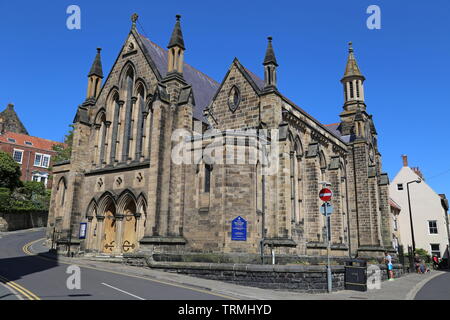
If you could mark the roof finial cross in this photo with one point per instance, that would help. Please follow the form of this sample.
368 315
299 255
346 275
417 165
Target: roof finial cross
134 18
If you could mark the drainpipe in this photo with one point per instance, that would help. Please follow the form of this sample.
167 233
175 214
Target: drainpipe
263 217
348 212
28 166
445 206
356 199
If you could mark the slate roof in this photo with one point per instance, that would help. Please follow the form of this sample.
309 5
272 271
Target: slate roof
334 129
204 87
257 80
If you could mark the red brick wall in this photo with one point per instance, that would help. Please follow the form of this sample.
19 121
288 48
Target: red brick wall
28 157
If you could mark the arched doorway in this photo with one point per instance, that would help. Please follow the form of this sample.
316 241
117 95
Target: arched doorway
129 239
109 234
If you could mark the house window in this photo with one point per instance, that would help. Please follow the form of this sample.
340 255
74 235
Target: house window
42 160
28 143
12 140
432 225
435 249
400 186
40 177
17 155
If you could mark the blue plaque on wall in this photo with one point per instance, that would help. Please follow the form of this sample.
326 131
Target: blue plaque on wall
239 229
83 228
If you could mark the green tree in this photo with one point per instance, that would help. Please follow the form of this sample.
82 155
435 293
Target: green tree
63 152
423 254
32 196
9 172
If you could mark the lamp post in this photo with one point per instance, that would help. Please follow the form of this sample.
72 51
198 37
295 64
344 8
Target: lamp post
410 216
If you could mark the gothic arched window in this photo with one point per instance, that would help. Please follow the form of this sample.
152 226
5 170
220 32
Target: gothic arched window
128 111
207 186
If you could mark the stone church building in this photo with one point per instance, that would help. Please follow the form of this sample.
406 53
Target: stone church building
123 188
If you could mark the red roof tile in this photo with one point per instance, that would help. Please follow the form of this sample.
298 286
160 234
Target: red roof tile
394 204
20 139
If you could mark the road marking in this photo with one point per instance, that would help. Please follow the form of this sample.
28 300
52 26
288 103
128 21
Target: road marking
14 291
26 247
130 294
127 275
27 293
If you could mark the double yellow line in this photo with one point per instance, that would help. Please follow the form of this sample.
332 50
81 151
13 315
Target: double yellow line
17 287
26 247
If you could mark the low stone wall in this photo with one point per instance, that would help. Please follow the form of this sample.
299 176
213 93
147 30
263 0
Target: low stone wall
398 271
22 220
245 258
300 278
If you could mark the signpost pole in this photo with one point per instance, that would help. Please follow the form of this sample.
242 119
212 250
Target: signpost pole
329 278
325 195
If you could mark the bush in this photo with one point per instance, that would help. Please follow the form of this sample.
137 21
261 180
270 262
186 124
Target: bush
423 254
31 197
5 199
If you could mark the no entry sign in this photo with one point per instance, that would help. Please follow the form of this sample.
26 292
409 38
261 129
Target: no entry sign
325 194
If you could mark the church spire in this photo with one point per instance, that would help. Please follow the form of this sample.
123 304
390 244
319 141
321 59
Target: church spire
352 68
176 49
270 66
353 80
95 76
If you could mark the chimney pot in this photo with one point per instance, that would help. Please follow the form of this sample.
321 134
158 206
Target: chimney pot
405 160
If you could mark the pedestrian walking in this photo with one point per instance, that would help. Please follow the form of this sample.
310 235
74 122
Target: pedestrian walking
389 266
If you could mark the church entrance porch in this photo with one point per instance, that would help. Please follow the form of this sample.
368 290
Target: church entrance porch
129 239
115 223
109 235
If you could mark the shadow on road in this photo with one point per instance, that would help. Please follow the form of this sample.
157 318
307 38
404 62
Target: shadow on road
15 268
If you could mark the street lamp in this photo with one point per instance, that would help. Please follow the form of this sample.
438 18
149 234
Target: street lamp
410 215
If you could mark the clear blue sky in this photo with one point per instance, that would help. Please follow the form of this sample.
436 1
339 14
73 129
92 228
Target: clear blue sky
44 65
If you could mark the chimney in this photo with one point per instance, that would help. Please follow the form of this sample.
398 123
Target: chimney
418 172
405 160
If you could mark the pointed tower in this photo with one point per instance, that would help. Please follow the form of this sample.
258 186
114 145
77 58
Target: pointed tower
354 117
353 83
95 77
176 50
270 67
10 121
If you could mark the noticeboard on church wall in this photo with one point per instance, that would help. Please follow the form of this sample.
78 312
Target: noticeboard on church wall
239 229
83 229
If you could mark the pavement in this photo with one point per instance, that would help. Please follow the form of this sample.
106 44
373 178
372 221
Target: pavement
106 280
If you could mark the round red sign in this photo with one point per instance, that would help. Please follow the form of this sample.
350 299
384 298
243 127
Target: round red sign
325 194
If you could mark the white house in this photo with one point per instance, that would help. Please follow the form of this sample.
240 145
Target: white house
428 214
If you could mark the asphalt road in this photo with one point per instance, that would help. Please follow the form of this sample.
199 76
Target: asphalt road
33 277
436 289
